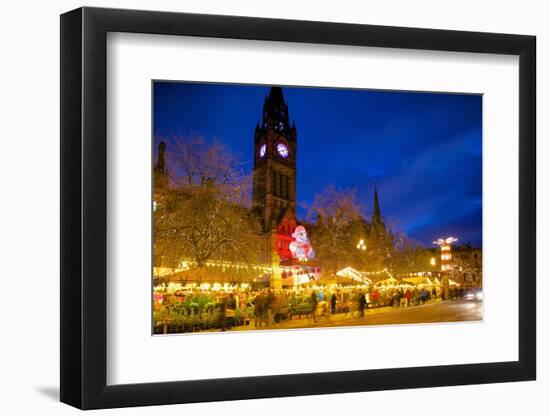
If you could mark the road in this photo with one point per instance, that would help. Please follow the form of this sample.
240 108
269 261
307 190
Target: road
439 312
431 313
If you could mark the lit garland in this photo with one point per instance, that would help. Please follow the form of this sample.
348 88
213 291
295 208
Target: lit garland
185 265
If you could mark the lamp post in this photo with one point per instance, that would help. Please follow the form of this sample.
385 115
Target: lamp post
446 256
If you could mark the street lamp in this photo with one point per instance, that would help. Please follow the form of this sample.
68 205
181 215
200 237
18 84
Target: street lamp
361 245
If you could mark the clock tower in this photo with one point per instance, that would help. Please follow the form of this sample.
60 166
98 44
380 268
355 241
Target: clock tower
274 188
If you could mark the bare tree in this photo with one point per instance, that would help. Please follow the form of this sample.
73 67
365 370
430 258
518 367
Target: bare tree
197 162
338 228
204 214
410 256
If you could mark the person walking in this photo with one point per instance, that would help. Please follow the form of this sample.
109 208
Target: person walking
333 303
223 307
259 309
362 302
314 302
230 304
270 301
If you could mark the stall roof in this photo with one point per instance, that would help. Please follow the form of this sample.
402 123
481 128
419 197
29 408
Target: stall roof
354 275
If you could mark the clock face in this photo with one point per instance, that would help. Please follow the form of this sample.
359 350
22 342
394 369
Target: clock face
282 150
262 150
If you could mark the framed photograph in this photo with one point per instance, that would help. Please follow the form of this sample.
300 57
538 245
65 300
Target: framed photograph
257 208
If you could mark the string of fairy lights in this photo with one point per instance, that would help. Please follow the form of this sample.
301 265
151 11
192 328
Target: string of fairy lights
263 270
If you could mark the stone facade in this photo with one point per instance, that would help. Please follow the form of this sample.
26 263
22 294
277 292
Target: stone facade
274 175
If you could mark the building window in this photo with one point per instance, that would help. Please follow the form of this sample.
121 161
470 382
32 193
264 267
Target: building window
287 181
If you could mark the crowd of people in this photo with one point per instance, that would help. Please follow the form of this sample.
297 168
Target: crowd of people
266 307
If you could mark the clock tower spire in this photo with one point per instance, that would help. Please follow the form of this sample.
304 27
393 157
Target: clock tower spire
274 188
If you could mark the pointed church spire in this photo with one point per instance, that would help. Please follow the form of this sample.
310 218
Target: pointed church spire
276 95
160 173
161 165
376 214
377 221
275 114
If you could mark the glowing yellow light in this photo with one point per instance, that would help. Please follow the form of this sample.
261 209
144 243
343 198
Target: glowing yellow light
432 261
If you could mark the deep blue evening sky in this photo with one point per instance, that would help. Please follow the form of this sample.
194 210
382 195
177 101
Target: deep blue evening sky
422 149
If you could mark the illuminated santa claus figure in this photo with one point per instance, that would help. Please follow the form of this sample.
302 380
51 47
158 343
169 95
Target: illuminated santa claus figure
300 246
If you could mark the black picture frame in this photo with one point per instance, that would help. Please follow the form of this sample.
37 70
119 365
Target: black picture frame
84 207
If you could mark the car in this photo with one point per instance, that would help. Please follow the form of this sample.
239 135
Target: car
474 294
